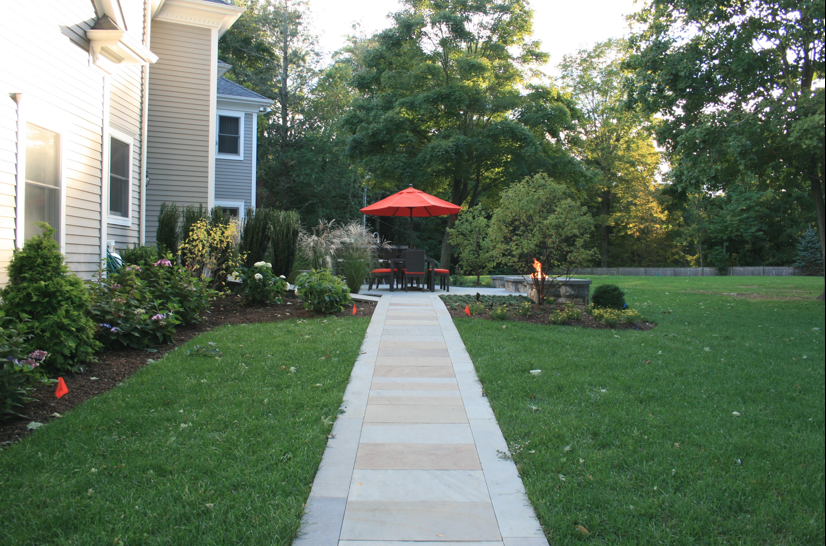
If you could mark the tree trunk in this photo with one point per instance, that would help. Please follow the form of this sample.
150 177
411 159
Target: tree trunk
605 209
817 193
447 248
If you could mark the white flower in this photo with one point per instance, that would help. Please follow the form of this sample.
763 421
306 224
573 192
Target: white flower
283 277
259 264
258 276
268 264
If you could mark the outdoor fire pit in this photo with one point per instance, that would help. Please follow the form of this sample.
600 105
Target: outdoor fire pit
576 291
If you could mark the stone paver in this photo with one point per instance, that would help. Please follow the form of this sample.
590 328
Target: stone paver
414 458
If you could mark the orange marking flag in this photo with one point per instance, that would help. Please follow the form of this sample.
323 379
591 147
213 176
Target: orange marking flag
467 310
61 387
354 309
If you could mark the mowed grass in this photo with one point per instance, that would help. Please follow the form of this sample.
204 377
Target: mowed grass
191 449
631 437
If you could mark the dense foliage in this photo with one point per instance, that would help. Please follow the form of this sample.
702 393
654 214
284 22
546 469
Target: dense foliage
260 285
608 296
322 292
42 288
19 373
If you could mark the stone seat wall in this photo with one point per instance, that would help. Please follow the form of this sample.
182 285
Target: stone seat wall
576 291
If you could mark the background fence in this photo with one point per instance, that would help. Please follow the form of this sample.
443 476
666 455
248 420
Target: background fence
767 271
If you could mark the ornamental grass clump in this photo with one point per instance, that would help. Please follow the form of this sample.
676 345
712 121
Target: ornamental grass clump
322 292
260 285
43 290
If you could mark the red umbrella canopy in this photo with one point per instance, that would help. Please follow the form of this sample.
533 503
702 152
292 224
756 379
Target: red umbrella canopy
411 202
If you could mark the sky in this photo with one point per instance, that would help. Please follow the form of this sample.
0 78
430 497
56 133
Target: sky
563 27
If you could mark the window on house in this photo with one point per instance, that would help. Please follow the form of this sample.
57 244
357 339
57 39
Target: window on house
119 161
232 212
42 198
229 135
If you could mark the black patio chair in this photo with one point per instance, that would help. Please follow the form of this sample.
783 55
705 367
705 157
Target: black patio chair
414 268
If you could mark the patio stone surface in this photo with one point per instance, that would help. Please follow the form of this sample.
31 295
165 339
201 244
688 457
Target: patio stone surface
413 459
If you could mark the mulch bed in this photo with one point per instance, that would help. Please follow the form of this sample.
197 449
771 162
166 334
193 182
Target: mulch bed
542 314
114 366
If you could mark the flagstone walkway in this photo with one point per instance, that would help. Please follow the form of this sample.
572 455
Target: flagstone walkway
415 457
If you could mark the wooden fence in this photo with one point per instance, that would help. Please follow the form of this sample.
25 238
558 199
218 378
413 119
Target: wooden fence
760 271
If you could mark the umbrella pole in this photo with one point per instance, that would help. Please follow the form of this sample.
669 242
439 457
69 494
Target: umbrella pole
411 228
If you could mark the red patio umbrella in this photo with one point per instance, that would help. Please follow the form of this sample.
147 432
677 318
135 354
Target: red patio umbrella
411 202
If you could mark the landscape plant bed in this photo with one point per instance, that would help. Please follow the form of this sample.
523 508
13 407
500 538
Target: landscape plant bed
112 367
539 314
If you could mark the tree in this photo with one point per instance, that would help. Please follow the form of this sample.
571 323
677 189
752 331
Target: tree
441 105
539 218
809 259
734 83
615 145
470 239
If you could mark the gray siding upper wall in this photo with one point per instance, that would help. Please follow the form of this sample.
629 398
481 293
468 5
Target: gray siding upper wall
44 57
178 149
233 178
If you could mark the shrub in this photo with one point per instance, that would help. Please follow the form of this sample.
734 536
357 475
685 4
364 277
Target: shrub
260 285
172 285
809 258
42 288
500 312
608 316
571 312
142 256
166 235
127 314
524 309
19 375
207 252
284 231
630 316
255 236
558 317
608 296
190 215
322 292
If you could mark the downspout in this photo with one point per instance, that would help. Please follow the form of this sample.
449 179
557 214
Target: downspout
144 123
104 169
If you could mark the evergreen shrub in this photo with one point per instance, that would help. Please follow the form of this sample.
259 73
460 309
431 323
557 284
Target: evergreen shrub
42 289
255 238
284 228
166 235
809 258
142 256
608 296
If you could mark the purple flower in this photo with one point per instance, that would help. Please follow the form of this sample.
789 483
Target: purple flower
115 330
39 355
159 316
163 262
103 324
134 268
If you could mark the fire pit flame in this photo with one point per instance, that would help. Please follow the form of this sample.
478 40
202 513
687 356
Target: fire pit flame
538 274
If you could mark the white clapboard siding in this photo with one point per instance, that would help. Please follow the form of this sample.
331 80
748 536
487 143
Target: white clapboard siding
178 149
46 58
8 171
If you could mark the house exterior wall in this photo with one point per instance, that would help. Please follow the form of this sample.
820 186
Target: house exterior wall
233 178
125 116
46 60
181 104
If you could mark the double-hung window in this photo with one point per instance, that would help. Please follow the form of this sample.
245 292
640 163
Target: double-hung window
42 193
230 135
120 176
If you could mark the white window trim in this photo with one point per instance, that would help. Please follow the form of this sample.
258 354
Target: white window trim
240 205
239 115
43 115
126 139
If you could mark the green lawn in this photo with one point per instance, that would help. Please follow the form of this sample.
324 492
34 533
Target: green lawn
633 435
191 449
